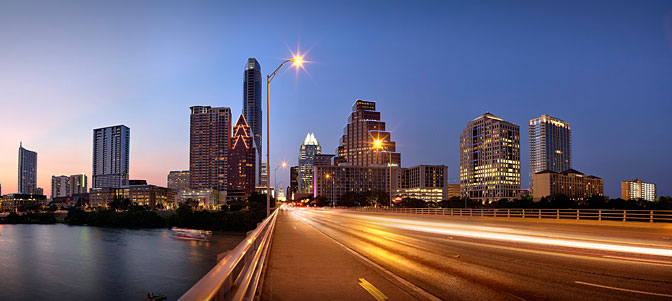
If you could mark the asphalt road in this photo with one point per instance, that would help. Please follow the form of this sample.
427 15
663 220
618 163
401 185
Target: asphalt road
455 258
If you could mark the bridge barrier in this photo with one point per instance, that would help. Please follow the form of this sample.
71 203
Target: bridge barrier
650 216
237 275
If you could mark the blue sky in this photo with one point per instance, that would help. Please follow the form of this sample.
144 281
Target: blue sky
604 66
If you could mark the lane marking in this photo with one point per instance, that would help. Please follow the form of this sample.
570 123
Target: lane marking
665 262
623 289
375 292
427 295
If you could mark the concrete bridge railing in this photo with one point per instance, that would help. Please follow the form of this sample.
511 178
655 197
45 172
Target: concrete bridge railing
237 275
650 216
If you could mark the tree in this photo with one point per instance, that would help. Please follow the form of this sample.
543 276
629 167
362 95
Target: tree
412 203
119 203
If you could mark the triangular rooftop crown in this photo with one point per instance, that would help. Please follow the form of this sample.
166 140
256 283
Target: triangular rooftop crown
310 139
489 116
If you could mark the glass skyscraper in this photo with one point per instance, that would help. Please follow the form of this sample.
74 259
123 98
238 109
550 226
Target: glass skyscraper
252 107
27 171
111 150
550 145
307 152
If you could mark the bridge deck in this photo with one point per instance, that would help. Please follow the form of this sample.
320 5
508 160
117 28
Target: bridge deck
305 264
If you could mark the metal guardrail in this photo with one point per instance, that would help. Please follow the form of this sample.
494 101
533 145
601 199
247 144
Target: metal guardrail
237 275
650 216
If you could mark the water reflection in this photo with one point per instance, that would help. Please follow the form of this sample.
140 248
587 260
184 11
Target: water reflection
83 263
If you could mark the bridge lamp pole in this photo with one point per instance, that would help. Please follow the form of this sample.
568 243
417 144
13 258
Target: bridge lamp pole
378 145
297 61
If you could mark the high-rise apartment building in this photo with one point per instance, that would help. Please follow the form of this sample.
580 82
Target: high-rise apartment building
252 108
550 145
263 173
60 186
27 171
179 179
78 184
637 189
571 183
490 159
111 150
358 144
242 168
210 134
293 182
309 148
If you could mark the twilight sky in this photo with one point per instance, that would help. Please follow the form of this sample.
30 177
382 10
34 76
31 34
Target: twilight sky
67 67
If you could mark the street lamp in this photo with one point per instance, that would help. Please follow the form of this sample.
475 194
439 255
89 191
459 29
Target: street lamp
378 145
296 61
333 197
275 175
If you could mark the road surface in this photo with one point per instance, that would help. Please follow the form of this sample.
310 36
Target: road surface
461 258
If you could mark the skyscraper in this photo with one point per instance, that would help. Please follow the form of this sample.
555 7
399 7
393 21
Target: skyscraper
111 150
78 184
27 171
242 168
357 143
252 107
490 159
209 147
309 148
60 186
550 145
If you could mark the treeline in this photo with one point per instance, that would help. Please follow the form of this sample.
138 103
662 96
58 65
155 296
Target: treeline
29 218
122 213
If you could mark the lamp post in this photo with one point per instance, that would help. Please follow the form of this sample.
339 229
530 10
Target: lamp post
333 198
275 175
296 61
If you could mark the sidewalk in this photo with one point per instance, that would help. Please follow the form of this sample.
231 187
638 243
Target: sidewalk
305 264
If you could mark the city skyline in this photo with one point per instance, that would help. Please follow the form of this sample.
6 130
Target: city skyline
571 81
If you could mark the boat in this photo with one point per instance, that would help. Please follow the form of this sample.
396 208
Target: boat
191 234
155 296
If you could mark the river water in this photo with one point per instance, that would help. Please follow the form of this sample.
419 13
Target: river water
61 262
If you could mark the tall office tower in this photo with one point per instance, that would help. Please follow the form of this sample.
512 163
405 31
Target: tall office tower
78 184
27 171
490 159
179 180
111 150
309 148
293 182
252 108
209 147
550 145
636 189
242 168
60 186
358 146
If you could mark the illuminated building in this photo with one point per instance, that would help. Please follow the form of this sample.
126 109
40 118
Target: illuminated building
15 201
309 148
453 191
242 156
78 184
27 171
357 143
202 198
636 189
178 180
550 145
322 159
111 156
210 134
332 182
426 182
263 172
490 159
60 186
154 197
571 183
252 108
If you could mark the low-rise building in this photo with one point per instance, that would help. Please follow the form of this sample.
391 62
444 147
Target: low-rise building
426 182
203 198
332 182
152 196
571 183
636 189
453 191
17 201
179 179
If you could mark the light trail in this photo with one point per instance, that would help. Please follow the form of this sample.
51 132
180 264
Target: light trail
499 234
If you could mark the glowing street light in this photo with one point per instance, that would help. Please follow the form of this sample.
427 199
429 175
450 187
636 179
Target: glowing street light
297 61
378 146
